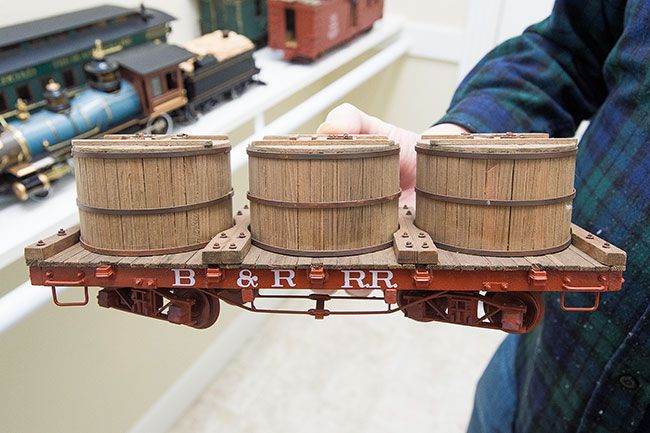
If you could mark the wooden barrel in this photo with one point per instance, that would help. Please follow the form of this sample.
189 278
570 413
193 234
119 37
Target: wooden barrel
151 195
324 196
496 195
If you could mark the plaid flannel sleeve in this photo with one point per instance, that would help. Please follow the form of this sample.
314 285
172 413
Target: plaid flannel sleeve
548 79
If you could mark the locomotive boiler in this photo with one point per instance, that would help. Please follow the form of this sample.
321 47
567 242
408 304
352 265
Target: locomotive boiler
144 88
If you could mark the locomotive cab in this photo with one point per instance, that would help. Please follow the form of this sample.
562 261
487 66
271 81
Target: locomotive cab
153 70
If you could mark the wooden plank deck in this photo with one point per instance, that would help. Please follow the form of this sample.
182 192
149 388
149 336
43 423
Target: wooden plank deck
577 257
571 259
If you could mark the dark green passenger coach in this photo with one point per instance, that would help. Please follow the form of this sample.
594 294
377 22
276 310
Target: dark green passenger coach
31 54
247 17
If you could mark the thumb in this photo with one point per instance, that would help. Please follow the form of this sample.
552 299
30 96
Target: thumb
345 119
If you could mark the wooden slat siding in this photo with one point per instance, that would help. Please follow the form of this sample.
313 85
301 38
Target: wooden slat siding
318 180
612 256
52 245
134 182
495 228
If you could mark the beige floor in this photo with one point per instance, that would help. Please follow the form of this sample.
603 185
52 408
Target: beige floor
382 374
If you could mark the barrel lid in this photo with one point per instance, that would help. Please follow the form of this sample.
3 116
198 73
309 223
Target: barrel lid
139 145
314 145
506 143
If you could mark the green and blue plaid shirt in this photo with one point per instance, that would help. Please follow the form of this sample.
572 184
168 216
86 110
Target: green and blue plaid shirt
590 60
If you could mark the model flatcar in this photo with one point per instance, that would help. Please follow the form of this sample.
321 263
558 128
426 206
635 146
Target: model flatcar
247 17
58 47
145 87
163 245
306 29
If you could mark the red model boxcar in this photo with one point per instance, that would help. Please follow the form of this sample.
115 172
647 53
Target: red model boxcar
305 29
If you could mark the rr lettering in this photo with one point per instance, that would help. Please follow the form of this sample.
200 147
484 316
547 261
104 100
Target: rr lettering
348 278
387 280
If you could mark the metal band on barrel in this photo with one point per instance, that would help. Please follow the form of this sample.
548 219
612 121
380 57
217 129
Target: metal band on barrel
323 205
153 211
142 253
502 253
482 155
488 202
145 155
321 253
321 156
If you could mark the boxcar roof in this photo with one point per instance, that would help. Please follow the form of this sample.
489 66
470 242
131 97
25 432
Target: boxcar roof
147 58
19 59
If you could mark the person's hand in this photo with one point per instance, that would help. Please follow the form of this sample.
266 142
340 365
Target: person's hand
348 119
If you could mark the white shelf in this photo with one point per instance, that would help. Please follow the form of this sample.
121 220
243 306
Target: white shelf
284 79
24 223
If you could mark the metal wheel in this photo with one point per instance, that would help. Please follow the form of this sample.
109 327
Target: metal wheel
205 310
160 125
534 308
424 311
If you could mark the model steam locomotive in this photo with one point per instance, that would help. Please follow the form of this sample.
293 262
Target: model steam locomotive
145 87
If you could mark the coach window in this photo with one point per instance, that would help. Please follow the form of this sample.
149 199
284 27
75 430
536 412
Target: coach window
258 7
25 93
171 80
69 78
156 87
3 102
353 13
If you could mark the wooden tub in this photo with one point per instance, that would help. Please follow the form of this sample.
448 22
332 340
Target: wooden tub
148 195
323 196
497 195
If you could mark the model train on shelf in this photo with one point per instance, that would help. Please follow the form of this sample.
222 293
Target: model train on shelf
157 235
303 30
133 81
306 29
145 87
